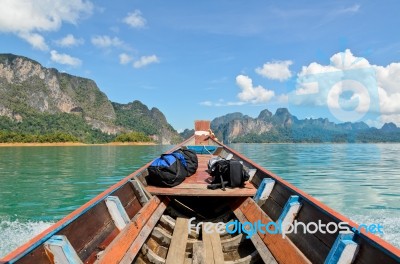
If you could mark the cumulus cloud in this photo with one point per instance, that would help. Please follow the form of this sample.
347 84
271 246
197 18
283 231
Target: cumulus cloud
36 40
146 60
221 102
307 88
282 98
64 59
124 58
69 41
277 70
395 118
374 88
250 93
27 19
374 123
106 41
206 103
135 19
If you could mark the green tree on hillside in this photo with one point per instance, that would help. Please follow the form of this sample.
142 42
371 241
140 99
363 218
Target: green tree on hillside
132 137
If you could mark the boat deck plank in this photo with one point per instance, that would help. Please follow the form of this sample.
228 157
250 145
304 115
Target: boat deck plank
116 251
196 185
176 252
198 253
261 248
212 246
282 249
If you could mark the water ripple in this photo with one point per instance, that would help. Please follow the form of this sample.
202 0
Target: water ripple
361 181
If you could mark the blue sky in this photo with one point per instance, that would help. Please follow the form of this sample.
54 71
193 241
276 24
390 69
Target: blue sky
202 59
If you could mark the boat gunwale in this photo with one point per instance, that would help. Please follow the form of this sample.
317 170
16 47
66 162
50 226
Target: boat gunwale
330 212
39 239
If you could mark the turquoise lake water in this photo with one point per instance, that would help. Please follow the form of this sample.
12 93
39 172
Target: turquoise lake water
39 185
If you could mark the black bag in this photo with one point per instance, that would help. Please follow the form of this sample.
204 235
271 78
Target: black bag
190 156
168 170
226 173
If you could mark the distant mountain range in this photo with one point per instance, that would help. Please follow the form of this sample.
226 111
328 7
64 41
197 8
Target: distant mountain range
35 100
284 127
38 100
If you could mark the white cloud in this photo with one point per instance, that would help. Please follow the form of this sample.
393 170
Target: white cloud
282 99
124 58
352 9
69 41
374 123
235 103
221 102
206 103
64 59
145 60
381 85
307 88
27 18
395 118
106 41
277 70
36 40
135 19
250 93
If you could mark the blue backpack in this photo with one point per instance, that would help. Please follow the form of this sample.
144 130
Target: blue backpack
167 170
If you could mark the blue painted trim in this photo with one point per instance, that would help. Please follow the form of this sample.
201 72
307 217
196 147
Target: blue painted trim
293 200
203 149
342 240
120 207
262 187
54 231
62 241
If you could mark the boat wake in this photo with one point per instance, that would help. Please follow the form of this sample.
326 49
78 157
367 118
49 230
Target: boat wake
391 226
14 233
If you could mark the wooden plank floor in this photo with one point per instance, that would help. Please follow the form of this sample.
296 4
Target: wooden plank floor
176 251
196 185
212 247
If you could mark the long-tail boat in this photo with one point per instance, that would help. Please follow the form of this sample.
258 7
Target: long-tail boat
133 222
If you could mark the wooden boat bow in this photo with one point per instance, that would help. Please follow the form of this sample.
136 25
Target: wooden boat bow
132 222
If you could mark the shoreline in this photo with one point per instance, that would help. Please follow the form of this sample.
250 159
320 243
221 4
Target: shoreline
76 144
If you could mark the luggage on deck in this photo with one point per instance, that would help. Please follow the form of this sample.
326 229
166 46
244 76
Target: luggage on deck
226 173
171 169
190 156
167 170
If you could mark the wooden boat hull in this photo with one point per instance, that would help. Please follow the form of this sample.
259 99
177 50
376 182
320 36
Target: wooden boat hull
134 223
